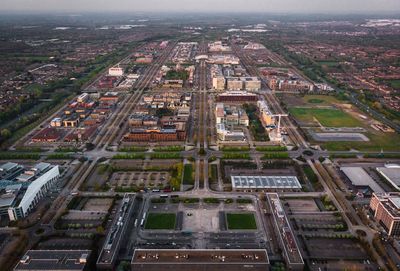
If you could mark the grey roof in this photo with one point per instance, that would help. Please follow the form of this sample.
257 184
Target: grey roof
41 166
8 166
273 182
6 200
53 260
359 177
392 174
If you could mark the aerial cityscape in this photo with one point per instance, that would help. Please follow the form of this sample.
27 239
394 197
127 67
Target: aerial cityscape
187 138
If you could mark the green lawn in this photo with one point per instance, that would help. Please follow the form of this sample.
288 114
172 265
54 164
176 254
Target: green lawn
320 100
188 174
326 116
160 221
394 83
241 221
328 63
378 141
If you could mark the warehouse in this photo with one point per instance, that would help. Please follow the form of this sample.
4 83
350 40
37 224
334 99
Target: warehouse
391 172
360 179
265 183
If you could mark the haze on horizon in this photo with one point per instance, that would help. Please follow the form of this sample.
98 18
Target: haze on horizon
279 6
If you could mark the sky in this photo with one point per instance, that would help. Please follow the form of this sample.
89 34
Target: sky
286 6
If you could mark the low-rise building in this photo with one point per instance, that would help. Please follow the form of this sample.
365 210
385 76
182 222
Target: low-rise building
116 71
48 134
200 259
53 260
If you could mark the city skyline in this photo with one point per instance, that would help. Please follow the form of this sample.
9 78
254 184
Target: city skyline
270 6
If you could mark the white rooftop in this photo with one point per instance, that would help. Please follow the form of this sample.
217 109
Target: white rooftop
272 182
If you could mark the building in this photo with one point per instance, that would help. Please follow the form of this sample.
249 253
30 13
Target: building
386 208
21 189
200 259
224 59
56 122
234 83
53 260
391 172
237 96
266 116
48 134
173 83
154 135
138 120
265 183
287 240
227 135
82 98
230 115
251 83
218 46
218 82
361 180
116 71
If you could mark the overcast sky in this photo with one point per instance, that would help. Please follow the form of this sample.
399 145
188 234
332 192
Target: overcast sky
291 6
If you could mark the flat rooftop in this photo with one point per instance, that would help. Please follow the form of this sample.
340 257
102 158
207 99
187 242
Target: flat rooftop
359 177
200 259
273 182
53 260
392 174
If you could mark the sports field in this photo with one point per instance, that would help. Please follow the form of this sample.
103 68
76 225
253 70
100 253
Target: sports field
241 221
160 221
328 117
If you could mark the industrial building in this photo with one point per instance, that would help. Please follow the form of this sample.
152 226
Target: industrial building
200 259
361 180
391 172
21 189
53 260
265 183
386 208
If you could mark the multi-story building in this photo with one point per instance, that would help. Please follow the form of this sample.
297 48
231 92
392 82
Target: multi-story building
23 189
230 115
234 83
266 116
386 208
252 83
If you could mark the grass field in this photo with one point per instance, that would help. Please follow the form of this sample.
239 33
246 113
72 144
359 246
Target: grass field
326 116
394 83
328 63
160 221
243 221
378 141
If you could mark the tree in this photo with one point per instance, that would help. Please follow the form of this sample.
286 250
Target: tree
5 133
